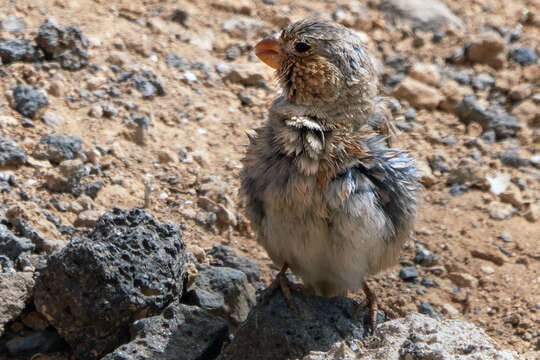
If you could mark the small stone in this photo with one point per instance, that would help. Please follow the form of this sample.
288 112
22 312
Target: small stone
524 56
408 273
512 159
512 196
449 310
533 213
27 101
15 291
418 94
18 50
248 75
7 121
64 44
87 218
51 119
489 256
10 153
425 257
426 73
486 269
166 156
426 308
463 280
427 179
487 48
96 111
57 148
500 211
528 111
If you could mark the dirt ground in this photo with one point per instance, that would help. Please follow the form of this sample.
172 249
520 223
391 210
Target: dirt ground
196 139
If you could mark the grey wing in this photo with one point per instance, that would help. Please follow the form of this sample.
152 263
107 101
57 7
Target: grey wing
384 184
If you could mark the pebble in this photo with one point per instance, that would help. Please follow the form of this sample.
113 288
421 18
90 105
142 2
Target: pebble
10 153
425 257
489 256
524 56
426 73
408 273
512 159
533 213
463 280
418 94
27 101
500 211
487 48
18 50
87 218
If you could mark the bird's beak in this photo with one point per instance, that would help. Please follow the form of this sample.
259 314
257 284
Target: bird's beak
269 51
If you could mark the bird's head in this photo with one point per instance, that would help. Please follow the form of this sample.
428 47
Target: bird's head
320 63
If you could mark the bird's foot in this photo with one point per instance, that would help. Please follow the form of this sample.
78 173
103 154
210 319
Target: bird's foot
374 305
282 282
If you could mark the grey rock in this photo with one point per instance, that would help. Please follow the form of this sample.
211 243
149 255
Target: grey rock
427 16
410 114
28 101
12 24
274 331
224 292
57 148
129 266
181 332
512 159
225 256
27 230
148 85
178 62
524 56
503 124
408 273
12 246
482 81
420 337
425 257
66 45
43 341
18 50
15 291
10 153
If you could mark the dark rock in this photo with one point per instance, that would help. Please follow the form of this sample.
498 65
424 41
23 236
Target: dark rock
27 230
449 140
226 256
12 246
28 101
503 124
524 56
109 111
410 114
18 50
428 309
224 292
425 257
149 85
10 153
37 342
92 189
408 273
428 283
482 81
178 62
57 148
274 331
64 44
6 265
181 332
458 189
512 159
180 16
129 266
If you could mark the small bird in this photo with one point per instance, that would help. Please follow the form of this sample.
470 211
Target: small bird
326 195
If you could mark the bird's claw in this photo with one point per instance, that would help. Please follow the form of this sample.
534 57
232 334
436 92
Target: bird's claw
282 282
374 305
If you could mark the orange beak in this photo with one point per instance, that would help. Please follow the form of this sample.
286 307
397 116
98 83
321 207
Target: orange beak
269 51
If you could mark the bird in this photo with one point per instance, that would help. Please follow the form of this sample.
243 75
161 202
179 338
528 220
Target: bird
325 193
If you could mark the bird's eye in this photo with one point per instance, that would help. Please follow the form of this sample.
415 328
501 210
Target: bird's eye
302 46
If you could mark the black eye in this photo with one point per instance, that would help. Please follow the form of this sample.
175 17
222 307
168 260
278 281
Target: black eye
302 47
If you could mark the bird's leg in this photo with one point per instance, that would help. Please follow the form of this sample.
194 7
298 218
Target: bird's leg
281 281
373 305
